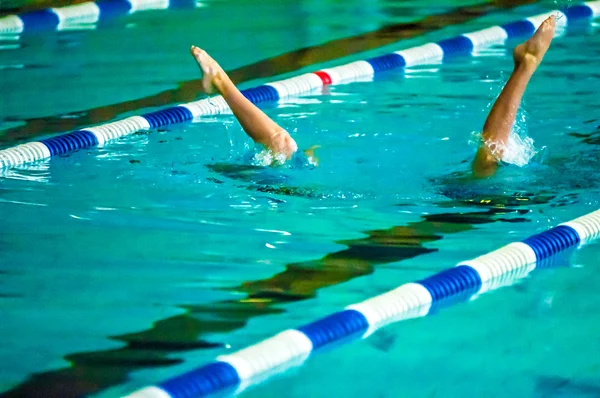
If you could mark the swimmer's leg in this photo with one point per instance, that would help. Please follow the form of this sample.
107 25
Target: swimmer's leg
497 127
255 123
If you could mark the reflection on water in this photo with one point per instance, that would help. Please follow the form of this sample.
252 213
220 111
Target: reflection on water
560 179
592 138
290 61
94 371
555 387
506 198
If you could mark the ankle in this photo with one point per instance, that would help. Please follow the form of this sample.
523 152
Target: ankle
222 83
528 64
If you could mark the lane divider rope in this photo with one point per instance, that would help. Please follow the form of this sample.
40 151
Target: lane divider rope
426 296
429 53
460 283
407 301
88 13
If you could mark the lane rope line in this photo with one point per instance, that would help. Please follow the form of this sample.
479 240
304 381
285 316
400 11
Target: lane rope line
464 44
460 283
80 16
251 365
274 66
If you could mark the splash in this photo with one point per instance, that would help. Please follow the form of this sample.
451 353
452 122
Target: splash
266 157
520 148
564 4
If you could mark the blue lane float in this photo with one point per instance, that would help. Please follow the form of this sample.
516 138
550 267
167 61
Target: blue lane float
339 326
38 21
553 241
456 46
261 94
91 12
580 11
111 9
216 376
387 62
174 115
410 300
519 28
451 286
490 271
70 142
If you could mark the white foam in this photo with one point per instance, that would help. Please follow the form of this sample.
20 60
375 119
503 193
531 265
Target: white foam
519 150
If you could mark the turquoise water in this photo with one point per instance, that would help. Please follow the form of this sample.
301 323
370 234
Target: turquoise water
126 265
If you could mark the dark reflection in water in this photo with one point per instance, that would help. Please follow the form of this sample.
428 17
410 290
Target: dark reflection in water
288 62
93 371
588 138
258 175
155 347
559 179
555 387
266 180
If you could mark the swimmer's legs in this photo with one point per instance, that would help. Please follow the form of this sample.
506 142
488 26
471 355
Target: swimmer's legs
255 123
497 127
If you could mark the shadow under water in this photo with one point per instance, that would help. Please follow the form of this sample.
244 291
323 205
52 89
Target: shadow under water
92 372
555 387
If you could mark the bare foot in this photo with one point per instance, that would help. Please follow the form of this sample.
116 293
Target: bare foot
533 50
213 74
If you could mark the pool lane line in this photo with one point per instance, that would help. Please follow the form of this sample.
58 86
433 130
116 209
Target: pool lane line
464 44
90 372
411 300
38 5
288 62
87 13
73 16
48 4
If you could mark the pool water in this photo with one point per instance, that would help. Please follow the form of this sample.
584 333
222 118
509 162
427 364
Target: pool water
126 265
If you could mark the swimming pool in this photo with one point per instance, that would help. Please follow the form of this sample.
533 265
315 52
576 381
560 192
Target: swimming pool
166 228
